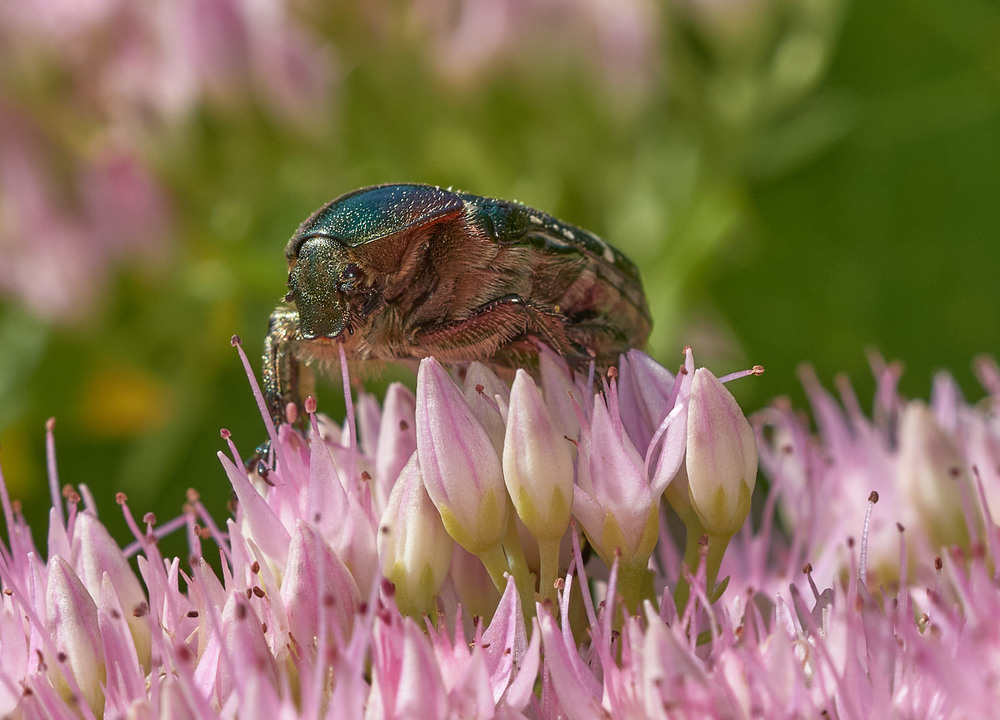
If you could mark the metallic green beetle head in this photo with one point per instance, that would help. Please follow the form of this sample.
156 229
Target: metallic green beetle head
320 279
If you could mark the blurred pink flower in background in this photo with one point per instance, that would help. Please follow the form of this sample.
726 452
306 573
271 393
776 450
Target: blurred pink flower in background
618 39
59 241
91 92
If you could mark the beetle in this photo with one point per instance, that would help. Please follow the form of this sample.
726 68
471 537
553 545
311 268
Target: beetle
405 271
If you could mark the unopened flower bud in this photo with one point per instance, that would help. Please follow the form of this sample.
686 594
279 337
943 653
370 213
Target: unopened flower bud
71 617
929 471
562 396
461 470
721 456
413 546
537 464
315 574
99 555
480 390
397 438
614 502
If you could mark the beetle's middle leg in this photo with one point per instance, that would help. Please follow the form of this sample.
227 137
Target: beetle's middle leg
492 326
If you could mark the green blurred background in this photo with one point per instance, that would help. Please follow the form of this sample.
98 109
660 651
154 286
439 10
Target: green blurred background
799 180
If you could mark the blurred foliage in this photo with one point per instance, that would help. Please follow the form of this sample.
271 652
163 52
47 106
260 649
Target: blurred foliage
798 180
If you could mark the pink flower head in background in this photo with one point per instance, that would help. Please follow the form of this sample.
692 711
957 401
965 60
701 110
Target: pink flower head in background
473 36
58 242
92 95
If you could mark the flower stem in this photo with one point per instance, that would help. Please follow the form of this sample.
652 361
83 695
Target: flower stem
495 561
713 554
518 565
548 553
633 580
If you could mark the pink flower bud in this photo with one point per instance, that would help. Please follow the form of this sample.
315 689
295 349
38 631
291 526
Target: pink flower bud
480 390
406 676
397 439
537 464
929 471
316 581
646 392
460 468
721 460
613 501
99 554
243 637
561 393
413 546
71 620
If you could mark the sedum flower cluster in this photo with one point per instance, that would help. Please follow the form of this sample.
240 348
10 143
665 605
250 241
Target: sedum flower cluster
481 549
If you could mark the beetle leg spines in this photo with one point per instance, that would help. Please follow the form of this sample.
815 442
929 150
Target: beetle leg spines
492 326
599 340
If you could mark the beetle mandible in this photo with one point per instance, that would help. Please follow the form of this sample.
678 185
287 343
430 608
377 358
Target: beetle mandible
407 271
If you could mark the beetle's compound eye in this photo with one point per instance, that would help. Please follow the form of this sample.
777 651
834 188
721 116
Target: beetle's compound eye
350 276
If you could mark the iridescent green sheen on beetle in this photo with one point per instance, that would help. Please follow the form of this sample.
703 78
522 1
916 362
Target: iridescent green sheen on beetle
398 272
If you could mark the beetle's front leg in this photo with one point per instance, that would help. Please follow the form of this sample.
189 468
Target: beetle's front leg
282 371
283 375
